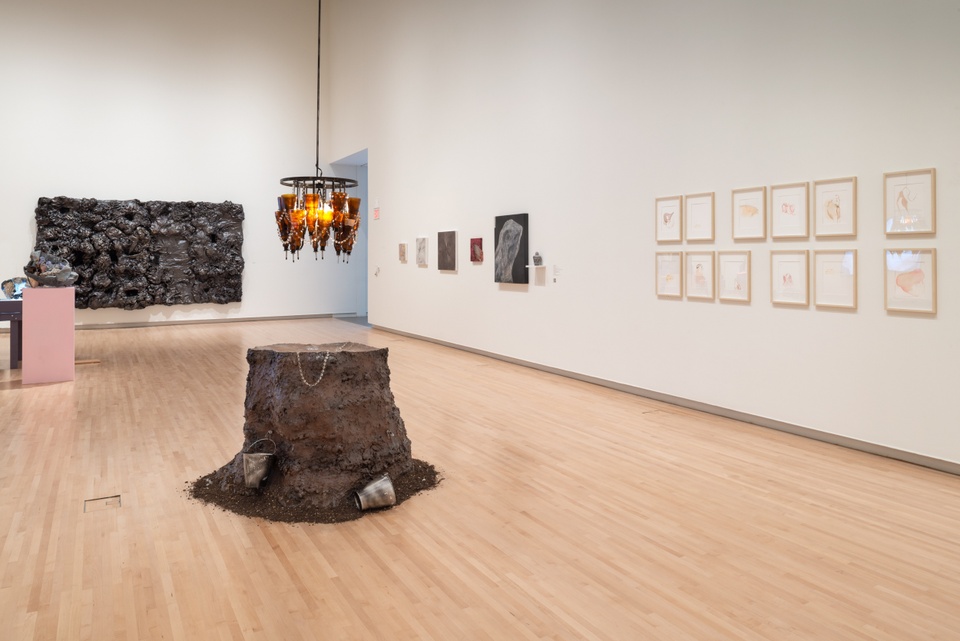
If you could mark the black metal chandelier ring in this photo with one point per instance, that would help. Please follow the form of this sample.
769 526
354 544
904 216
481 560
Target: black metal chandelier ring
319 182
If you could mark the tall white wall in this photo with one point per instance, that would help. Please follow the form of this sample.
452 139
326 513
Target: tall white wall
582 113
206 100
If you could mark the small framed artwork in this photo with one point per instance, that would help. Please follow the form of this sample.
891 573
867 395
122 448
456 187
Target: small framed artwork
835 207
789 211
749 208
447 251
403 252
788 278
669 274
733 276
910 280
835 278
699 275
669 227
698 216
910 202
476 250
421 252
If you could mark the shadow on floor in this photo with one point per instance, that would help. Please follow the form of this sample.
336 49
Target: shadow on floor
357 320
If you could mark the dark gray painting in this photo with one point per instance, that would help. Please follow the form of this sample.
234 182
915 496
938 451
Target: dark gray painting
511 249
447 251
133 254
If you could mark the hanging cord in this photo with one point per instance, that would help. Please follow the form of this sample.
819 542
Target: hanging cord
319 15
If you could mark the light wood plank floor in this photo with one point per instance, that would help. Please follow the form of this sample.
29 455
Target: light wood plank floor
568 511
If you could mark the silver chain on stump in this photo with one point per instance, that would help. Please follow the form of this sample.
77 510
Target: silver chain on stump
323 370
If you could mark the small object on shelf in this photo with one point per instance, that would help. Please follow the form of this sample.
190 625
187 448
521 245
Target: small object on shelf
537 259
12 288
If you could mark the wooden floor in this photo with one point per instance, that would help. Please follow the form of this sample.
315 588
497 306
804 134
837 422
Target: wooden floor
568 511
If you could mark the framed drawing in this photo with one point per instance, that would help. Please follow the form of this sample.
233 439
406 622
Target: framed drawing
699 275
476 250
910 280
669 274
403 252
698 216
511 239
789 211
421 252
749 208
835 207
835 278
668 211
910 202
733 276
447 251
788 277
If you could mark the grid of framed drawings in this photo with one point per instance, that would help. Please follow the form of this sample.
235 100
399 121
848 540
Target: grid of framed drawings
785 214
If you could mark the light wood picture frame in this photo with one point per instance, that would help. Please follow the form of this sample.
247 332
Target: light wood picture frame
910 202
910 280
789 281
790 210
699 280
403 252
670 274
749 211
669 212
835 278
835 207
733 276
698 215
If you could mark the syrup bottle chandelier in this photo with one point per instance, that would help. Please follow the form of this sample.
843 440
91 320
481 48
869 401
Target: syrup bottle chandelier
318 205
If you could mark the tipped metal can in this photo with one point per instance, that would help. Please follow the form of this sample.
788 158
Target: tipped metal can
377 493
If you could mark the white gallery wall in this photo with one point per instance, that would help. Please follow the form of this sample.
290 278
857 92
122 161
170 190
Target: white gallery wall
210 100
583 113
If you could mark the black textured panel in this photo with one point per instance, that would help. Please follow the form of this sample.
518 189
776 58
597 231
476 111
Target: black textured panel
133 254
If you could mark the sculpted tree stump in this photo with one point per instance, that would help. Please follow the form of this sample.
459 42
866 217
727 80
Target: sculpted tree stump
331 413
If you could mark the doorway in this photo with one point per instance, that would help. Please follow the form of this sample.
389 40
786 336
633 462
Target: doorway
355 166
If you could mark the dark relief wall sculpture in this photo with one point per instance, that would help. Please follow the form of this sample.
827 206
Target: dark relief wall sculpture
133 254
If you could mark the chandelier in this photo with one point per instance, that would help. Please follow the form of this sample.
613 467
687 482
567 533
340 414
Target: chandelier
318 205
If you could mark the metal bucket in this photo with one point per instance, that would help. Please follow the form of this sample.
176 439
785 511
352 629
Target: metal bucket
377 493
256 465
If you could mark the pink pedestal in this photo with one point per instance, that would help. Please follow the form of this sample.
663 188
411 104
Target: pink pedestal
48 347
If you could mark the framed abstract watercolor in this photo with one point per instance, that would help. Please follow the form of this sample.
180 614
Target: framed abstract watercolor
835 207
910 202
789 211
749 207
698 212
669 274
910 280
733 276
669 219
698 267
835 278
788 277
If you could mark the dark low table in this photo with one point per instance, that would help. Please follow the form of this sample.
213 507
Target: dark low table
12 310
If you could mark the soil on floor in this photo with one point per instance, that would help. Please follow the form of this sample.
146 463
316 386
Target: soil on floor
421 477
